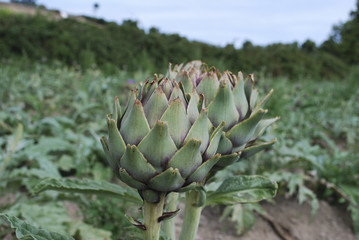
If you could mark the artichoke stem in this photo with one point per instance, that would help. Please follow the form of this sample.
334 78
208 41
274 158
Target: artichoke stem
192 216
168 226
151 213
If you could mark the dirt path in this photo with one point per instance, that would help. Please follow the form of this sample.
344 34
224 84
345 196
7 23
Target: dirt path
330 223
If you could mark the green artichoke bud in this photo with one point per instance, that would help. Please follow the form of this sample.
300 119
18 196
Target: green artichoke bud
163 141
230 99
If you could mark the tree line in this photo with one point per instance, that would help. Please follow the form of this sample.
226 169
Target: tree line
110 46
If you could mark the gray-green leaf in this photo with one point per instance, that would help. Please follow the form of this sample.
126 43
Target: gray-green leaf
25 231
88 186
243 189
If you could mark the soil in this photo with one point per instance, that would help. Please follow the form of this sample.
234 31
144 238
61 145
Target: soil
329 223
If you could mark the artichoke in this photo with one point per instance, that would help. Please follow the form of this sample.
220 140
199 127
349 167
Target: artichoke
163 141
231 100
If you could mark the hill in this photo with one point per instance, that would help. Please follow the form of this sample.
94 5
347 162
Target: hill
38 34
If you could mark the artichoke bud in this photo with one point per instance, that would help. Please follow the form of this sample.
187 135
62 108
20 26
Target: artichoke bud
163 140
232 104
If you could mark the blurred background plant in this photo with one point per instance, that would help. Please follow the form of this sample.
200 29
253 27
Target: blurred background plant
55 93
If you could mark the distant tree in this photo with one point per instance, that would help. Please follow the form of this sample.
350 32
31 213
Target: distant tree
308 46
247 45
96 6
343 41
154 30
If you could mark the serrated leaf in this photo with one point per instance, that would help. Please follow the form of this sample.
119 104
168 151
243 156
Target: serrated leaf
243 189
46 145
25 231
87 186
242 215
88 232
51 216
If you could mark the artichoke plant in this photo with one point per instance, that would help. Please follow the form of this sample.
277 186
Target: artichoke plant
231 100
163 140
177 131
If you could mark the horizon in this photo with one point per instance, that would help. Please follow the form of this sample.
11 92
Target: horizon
234 21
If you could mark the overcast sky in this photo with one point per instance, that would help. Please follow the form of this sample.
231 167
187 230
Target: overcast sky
221 22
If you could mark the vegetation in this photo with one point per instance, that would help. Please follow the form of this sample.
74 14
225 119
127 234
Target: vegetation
95 42
57 92
317 139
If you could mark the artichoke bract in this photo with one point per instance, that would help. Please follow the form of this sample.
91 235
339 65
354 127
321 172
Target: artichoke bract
163 141
231 100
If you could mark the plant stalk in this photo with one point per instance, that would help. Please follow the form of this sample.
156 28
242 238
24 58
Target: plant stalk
168 226
192 216
151 213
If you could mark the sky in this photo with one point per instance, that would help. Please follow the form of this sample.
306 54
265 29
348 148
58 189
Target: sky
222 22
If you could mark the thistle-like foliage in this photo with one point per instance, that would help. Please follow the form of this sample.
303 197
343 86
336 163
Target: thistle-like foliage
231 100
163 141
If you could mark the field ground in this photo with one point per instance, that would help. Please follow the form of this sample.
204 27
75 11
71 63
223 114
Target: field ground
330 223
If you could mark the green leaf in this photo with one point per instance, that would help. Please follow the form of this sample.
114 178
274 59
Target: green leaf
240 98
116 145
188 158
157 146
203 170
131 101
66 163
214 142
227 160
248 86
223 108
225 145
256 147
185 79
243 215
88 232
167 87
243 131
48 166
243 189
25 231
136 164
192 108
177 93
134 125
150 88
130 181
51 216
109 158
262 125
199 131
178 122
17 137
24 172
208 86
155 106
263 101
253 99
118 111
167 181
47 145
87 186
